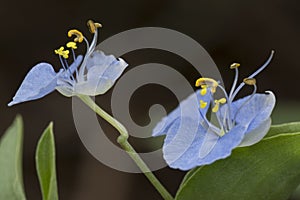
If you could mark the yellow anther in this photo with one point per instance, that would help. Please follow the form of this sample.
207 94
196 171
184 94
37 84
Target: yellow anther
62 52
222 100
234 65
93 26
216 107
217 104
203 104
203 91
71 45
249 81
79 37
207 82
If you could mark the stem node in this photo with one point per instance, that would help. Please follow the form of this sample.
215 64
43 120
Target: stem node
122 140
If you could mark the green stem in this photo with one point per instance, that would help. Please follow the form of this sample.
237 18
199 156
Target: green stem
123 141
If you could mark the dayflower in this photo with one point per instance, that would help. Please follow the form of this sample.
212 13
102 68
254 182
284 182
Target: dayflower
91 74
193 140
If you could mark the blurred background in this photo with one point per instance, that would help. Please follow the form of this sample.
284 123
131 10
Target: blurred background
231 31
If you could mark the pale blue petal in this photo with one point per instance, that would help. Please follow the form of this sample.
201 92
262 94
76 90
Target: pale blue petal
111 71
99 58
180 138
180 152
65 87
254 112
265 112
40 81
187 108
209 142
224 145
102 73
256 134
65 83
184 148
94 87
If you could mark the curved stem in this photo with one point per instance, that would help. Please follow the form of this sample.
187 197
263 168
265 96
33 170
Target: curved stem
123 141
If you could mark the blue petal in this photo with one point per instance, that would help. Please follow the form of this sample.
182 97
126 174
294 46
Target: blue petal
110 71
99 58
182 145
254 112
40 81
209 142
101 76
94 87
65 84
187 108
184 148
257 134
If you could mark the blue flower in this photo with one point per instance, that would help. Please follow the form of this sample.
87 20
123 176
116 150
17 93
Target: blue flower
193 140
91 74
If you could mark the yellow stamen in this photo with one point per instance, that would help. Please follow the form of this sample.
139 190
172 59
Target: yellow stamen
217 104
234 65
216 107
203 104
203 91
249 81
222 100
71 45
62 52
207 82
93 26
78 34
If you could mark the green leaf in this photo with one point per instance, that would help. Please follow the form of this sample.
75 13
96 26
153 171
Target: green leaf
45 164
188 175
268 170
11 178
284 128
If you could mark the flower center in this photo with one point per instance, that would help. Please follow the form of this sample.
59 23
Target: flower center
225 118
72 46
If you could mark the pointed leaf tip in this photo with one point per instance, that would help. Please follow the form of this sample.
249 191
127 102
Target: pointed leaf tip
45 164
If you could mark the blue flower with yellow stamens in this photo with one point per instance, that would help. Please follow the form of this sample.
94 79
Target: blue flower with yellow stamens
193 140
91 74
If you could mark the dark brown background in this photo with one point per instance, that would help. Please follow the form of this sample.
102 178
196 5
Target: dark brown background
232 30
